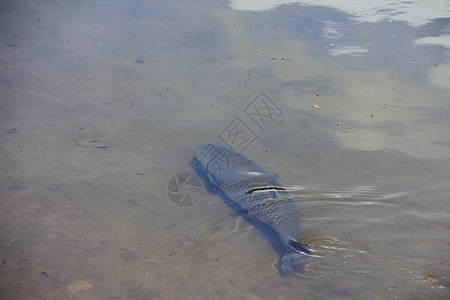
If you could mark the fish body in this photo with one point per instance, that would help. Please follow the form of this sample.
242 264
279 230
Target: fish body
258 191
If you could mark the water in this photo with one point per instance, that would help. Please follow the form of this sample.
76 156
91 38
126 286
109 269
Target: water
102 104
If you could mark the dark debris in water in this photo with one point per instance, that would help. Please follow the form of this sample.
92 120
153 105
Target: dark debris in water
129 255
89 144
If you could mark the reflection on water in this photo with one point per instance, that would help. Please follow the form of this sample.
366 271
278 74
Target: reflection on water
364 11
102 104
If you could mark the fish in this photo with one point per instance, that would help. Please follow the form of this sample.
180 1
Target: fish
257 191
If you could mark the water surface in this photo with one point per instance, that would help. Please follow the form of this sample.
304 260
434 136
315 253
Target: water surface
102 104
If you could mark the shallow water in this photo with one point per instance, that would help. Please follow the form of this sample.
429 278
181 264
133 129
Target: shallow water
103 103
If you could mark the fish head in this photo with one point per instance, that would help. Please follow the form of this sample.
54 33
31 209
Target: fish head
206 153
200 152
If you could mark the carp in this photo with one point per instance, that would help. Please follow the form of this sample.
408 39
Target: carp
258 191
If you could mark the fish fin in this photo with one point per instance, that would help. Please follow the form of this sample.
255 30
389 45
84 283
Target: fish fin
300 247
287 261
287 264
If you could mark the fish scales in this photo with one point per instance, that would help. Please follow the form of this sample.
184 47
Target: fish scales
258 191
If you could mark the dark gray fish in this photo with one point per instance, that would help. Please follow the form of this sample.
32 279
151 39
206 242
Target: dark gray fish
258 192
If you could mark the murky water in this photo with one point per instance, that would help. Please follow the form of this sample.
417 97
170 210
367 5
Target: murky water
102 104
